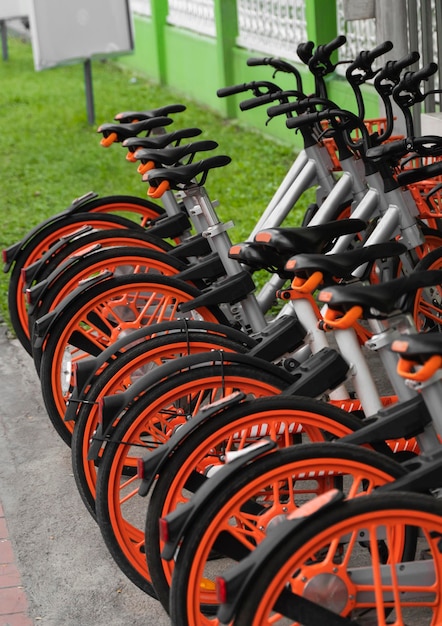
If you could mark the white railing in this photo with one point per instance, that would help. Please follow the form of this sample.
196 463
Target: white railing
361 35
195 15
274 27
141 7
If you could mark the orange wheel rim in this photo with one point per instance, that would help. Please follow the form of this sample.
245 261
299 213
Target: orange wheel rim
155 425
121 381
393 522
129 264
280 492
125 308
38 251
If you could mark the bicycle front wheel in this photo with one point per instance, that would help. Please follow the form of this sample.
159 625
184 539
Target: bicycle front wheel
325 561
285 419
147 424
94 317
237 518
126 368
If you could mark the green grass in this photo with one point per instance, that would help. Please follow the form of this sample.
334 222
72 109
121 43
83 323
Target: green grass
51 155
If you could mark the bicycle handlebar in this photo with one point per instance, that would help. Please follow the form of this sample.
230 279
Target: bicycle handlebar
427 145
411 80
363 62
305 51
392 69
279 65
254 86
301 106
320 63
282 96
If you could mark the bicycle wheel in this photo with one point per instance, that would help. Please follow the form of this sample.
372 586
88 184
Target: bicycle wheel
324 561
235 520
120 260
95 316
83 243
35 246
288 420
126 368
426 304
147 424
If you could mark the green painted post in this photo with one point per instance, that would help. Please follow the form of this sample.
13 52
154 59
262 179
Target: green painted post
226 23
321 20
159 10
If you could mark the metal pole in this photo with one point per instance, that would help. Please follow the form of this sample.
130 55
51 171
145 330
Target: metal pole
4 32
89 91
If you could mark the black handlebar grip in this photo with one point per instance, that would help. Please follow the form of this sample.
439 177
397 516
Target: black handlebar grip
275 62
327 49
252 103
232 90
381 49
392 69
411 80
305 51
253 61
306 120
287 107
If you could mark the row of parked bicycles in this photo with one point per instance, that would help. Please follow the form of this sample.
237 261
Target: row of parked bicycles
249 464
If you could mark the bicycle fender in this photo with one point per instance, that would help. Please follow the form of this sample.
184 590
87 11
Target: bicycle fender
87 368
44 324
182 518
238 581
13 251
156 460
113 405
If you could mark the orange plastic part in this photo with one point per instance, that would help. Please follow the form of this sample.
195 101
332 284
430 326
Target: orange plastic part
109 140
157 192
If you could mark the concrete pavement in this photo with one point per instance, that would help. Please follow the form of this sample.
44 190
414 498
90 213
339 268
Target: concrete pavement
54 567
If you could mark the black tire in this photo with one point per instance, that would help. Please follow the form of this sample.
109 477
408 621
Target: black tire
137 359
180 476
401 511
146 424
211 528
92 317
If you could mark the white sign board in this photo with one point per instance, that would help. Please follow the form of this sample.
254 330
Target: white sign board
10 9
69 31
